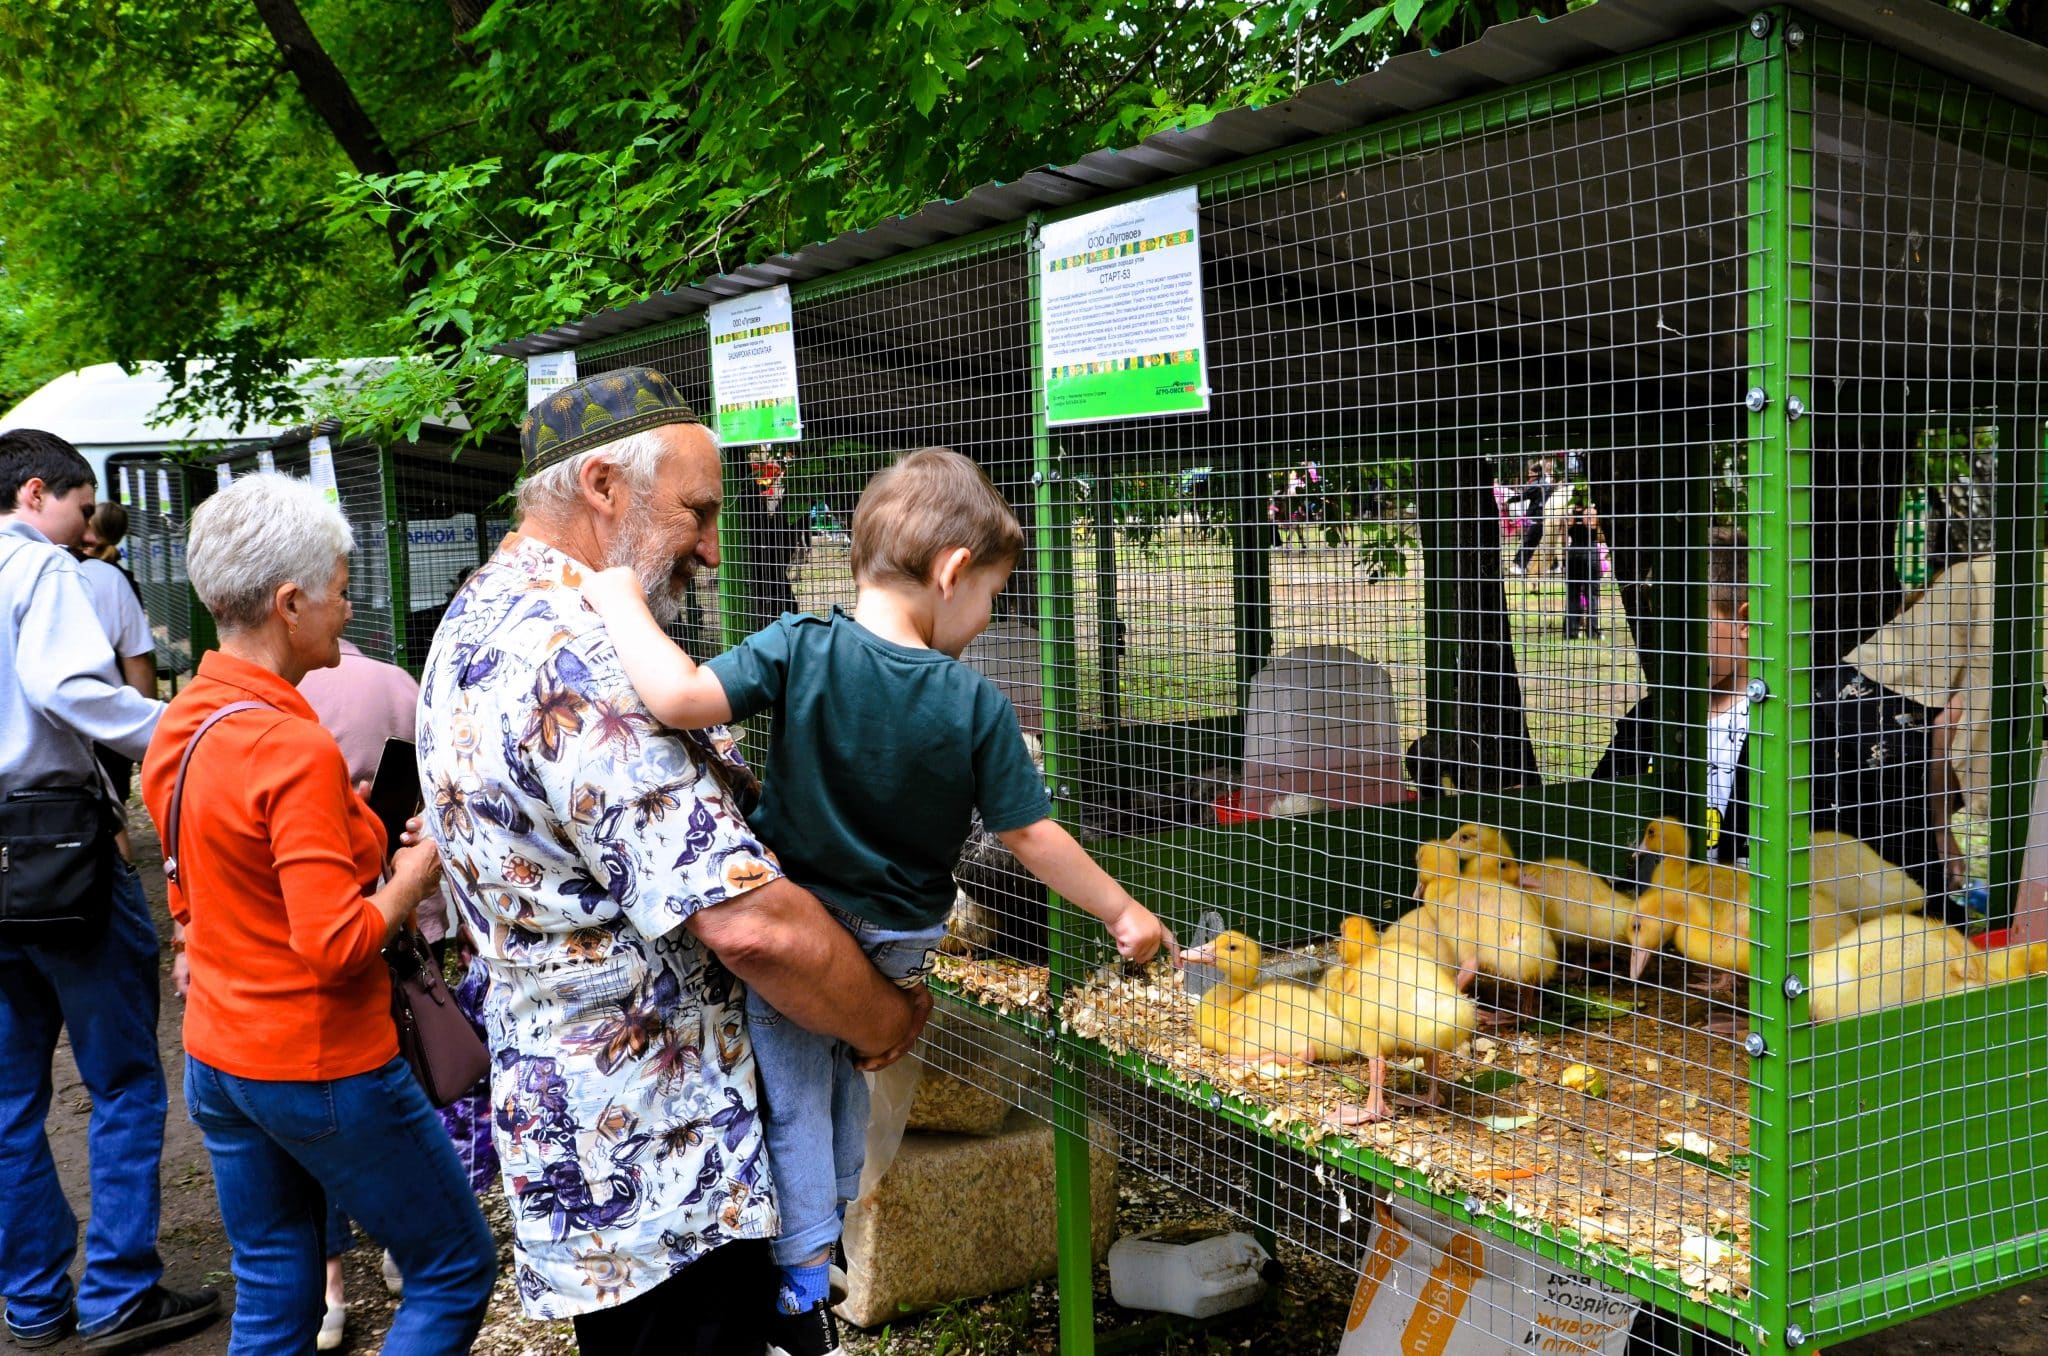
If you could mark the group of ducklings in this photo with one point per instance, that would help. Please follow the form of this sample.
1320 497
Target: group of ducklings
1492 925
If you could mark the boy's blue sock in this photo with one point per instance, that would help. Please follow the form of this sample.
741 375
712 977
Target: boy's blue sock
803 1287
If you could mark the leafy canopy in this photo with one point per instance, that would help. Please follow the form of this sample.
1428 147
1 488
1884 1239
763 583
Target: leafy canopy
179 189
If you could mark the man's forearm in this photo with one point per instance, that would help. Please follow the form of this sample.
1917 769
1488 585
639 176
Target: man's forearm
780 940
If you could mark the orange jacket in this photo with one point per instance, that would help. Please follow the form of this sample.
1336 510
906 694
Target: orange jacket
276 859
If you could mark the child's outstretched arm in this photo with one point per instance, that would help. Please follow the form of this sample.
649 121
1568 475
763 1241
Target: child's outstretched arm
676 690
1050 853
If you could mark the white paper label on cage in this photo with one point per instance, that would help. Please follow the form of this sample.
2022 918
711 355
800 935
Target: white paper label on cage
437 551
121 476
753 368
223 476
547 373
163 490
320 455
266 462
1433 1288
1120 306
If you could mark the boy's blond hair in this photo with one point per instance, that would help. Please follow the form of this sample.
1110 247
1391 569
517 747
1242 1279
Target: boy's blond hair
930 501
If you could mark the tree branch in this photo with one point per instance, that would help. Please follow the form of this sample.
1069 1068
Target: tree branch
325 88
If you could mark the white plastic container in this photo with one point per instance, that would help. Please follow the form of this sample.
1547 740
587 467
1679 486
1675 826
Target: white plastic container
1193 1270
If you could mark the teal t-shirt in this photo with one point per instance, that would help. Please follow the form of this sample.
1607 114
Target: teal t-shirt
877 757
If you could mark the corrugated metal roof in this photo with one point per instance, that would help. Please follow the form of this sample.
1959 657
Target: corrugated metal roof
1505 55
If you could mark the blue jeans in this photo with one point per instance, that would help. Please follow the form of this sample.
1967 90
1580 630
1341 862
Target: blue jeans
372 1144
814 1103
105 993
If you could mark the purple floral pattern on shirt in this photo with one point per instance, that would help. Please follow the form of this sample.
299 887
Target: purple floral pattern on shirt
579 836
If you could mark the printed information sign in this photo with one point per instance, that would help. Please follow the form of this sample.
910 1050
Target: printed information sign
320 453
1120 306
753 369
547 373
266 462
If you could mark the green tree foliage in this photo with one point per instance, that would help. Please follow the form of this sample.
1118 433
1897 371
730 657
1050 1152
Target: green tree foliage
195 181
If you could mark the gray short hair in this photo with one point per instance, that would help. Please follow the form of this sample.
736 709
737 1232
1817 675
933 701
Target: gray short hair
553 492
258 534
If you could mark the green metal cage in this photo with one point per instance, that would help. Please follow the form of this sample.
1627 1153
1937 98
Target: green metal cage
423 514
1758 313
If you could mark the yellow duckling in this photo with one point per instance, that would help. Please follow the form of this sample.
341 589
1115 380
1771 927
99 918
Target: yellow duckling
1701 906
1484 923
1892 960
2005 963
1402 1002
1356 940
1849 880
1579 905
1247 1018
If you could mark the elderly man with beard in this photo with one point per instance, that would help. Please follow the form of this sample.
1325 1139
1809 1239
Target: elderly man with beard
603 867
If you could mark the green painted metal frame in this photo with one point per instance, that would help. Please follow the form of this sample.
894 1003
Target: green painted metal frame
1779 326
397 561
1779 249
1053 527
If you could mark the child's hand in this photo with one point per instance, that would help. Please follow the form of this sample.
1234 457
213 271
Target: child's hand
1139 934
612 591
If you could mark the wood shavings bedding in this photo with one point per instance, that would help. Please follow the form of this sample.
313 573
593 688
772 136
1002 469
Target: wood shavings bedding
1653 1165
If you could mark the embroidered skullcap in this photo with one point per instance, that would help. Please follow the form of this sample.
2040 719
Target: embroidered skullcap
596 411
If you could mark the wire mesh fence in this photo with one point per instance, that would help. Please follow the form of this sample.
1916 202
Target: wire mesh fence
156 492
1578 681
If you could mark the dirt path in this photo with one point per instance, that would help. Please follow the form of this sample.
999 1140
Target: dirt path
195 1248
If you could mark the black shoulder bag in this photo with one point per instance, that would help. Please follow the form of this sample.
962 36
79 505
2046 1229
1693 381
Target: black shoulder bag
57 861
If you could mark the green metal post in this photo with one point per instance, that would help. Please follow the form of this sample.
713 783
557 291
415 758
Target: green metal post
2015 668
1780 537
1108 642
397 561
1070 1130
1251 575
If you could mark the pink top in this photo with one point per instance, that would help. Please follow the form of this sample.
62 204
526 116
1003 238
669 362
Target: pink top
363 702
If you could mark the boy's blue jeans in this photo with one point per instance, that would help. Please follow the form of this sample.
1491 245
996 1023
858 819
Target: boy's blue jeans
372 1145
105 992
814 1103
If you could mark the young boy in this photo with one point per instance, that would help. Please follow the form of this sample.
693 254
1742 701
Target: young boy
883 744
1730 693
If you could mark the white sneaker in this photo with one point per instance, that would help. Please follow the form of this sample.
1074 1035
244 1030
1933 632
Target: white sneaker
393 1282
332 1326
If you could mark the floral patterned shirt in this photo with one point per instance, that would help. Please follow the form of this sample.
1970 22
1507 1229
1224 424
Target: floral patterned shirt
579 834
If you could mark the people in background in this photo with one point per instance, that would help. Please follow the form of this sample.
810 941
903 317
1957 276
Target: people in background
292 1070
104 533
1901 730
60 694
1582 572
117 602
604 870
1528 505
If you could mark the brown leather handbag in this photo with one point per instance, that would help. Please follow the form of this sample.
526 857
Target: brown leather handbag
434 1037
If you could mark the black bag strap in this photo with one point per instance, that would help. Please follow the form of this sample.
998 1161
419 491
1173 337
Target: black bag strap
178 786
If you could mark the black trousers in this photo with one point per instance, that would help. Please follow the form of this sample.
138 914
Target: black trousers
1581 593
718 1305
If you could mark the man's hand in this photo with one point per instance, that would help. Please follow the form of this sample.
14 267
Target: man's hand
920 1013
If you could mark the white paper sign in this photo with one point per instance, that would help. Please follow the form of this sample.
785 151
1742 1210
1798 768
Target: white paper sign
163 490
321 454
753 369
547 373
437 550
265 462
1438 1288
223 475
1120 306
122 474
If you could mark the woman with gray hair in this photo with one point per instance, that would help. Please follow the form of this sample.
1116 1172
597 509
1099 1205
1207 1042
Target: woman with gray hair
292 1070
